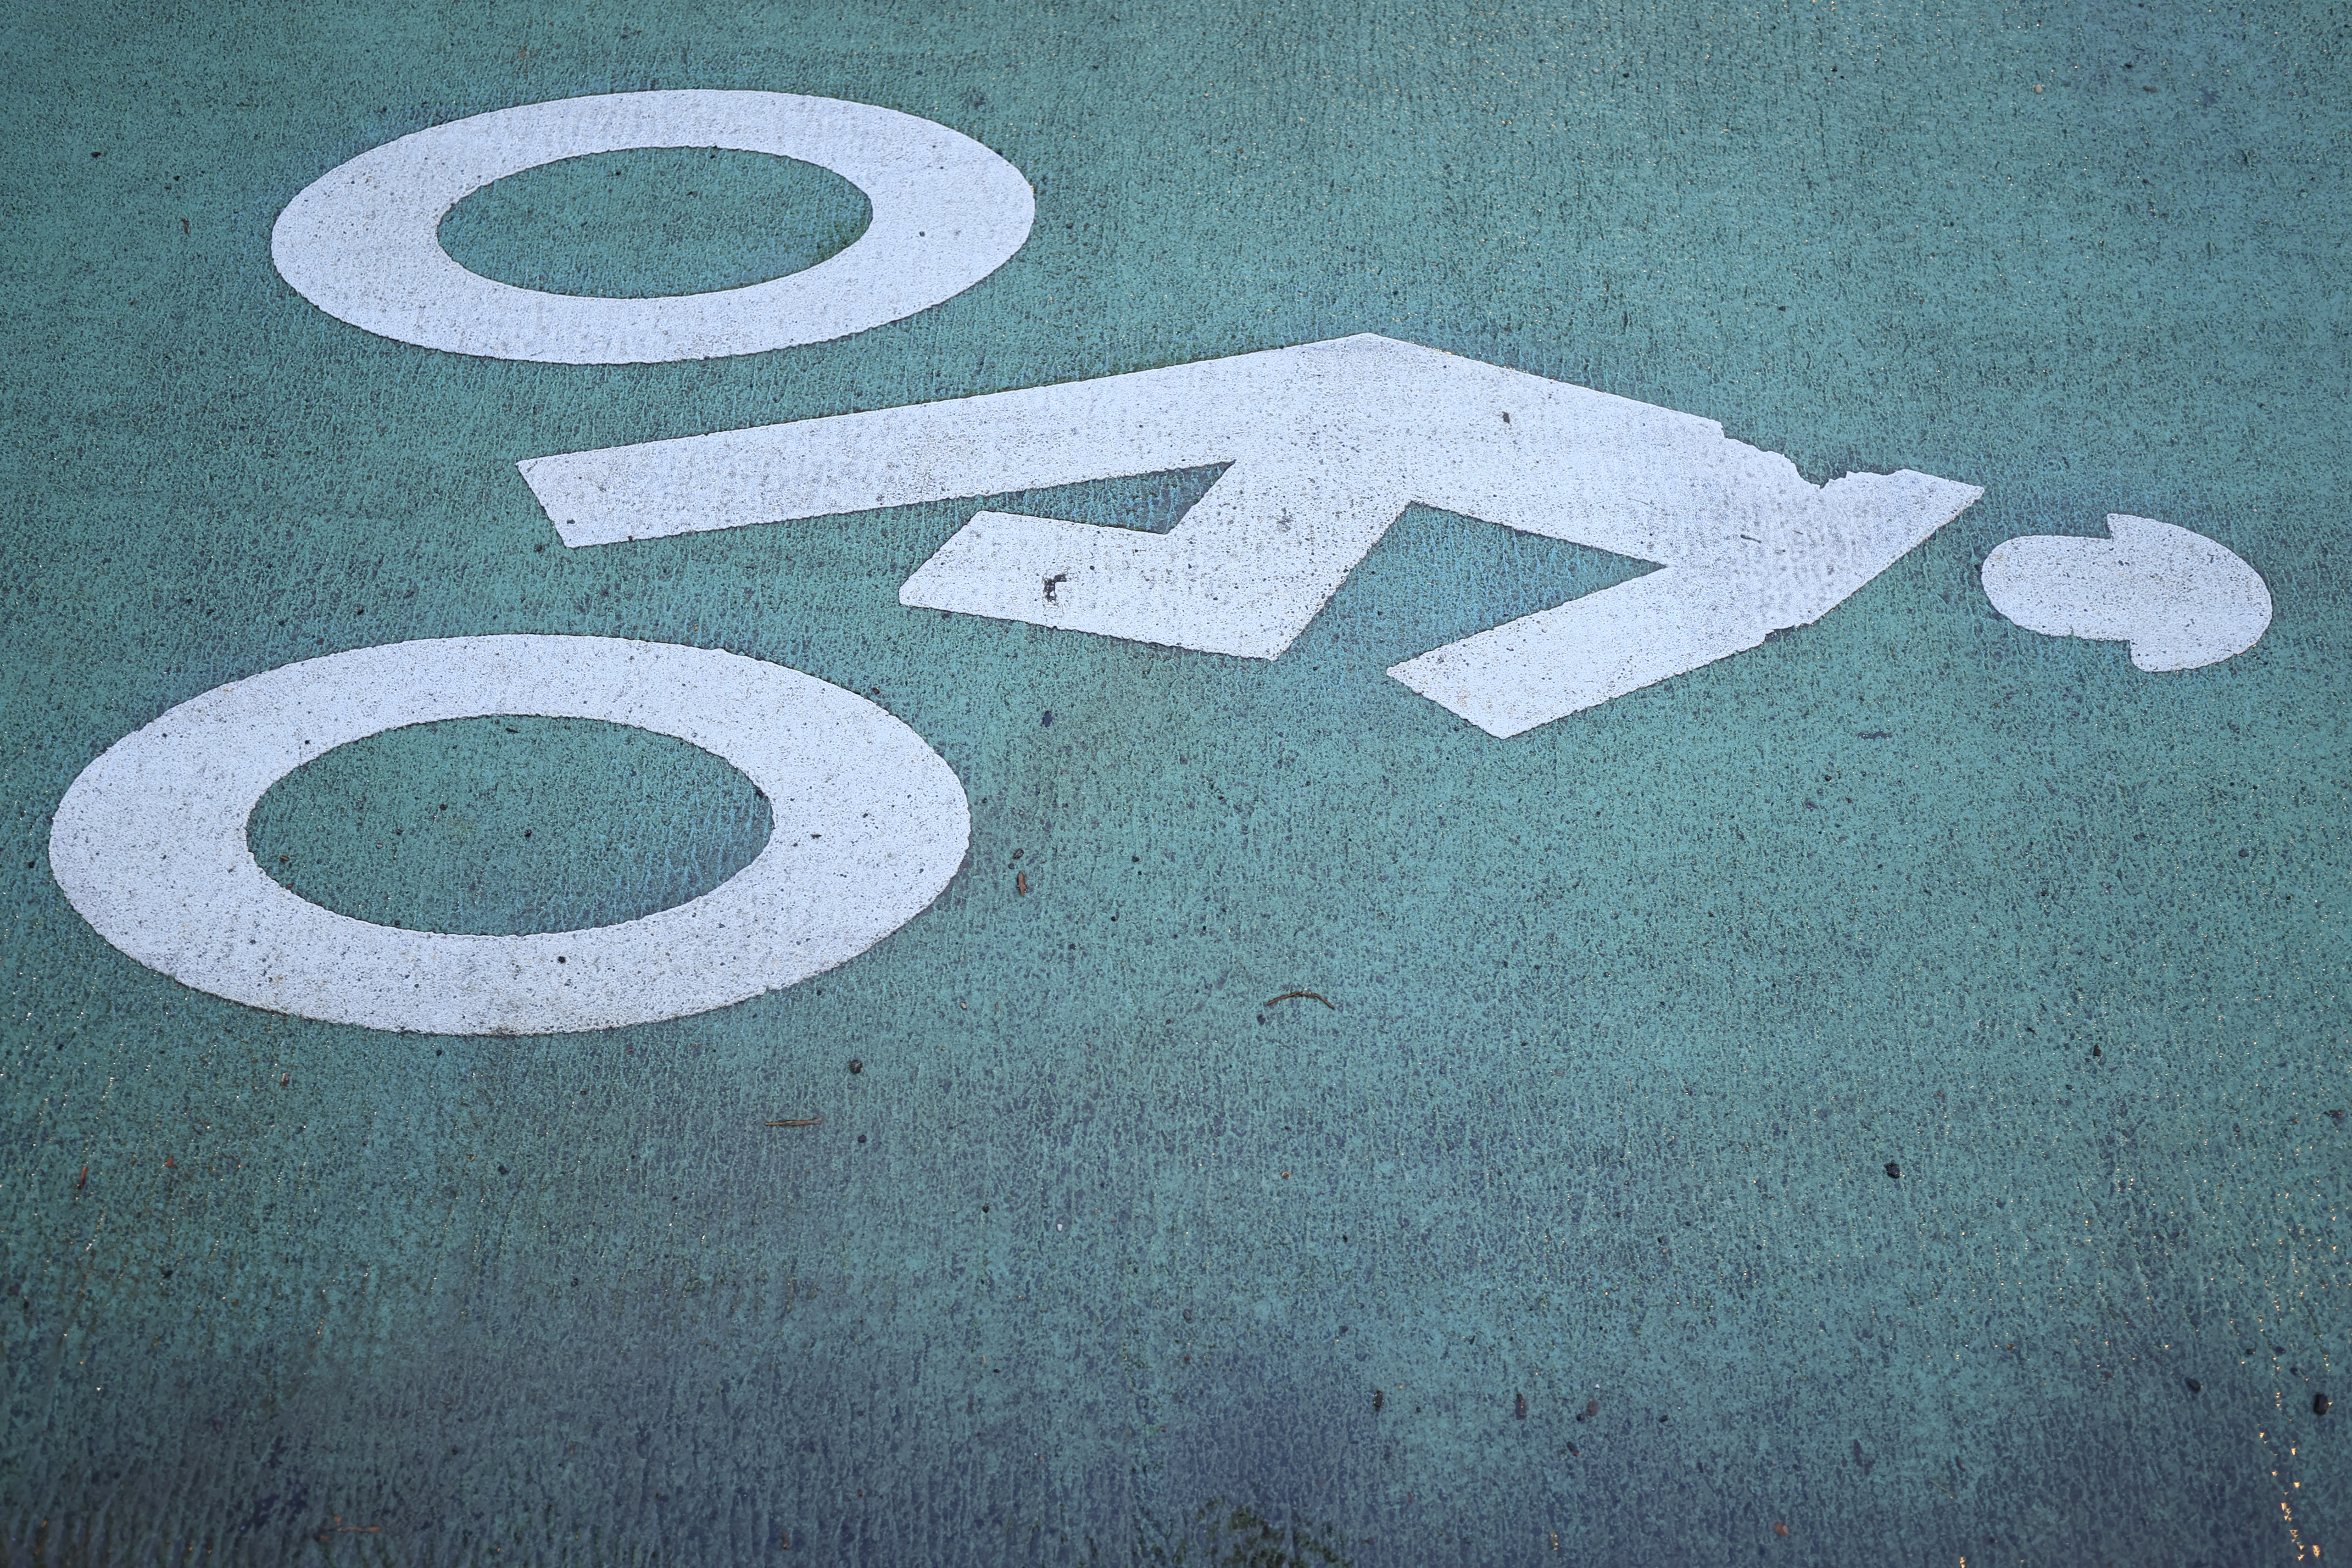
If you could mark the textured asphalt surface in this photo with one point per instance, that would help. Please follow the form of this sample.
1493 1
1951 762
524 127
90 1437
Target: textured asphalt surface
1570 1229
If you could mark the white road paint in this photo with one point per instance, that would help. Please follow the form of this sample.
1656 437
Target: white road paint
1778 559
1328 443
2179 598
149 842
362 241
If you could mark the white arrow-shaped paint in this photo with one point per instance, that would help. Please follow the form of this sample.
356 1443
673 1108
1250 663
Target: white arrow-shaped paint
2179 598
1326 443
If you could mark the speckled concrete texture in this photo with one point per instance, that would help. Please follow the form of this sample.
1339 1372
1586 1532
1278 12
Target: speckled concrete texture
1570 1230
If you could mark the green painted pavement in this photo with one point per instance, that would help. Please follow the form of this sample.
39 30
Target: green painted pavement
1630 1014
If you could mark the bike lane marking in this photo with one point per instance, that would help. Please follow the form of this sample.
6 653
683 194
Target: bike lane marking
868 825
362 241
1325 446
1328 443
2180 599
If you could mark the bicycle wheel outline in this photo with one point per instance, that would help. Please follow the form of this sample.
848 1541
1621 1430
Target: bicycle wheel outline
868 825
360 242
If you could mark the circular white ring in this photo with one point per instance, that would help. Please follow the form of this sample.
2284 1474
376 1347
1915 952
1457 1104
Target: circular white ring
869 824
362 241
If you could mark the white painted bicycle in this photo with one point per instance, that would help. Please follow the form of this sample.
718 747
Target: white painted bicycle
1325 446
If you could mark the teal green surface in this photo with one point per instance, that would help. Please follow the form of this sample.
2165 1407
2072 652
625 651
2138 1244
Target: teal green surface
1097 1259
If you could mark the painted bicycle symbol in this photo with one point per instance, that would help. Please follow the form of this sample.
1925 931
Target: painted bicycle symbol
1324 445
